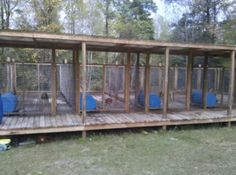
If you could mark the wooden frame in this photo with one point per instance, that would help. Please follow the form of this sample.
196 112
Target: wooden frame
77 79
84 77
66 41
89 43
205 83
127 83
231 84
54 83
189 80
137 79
147 82
166 83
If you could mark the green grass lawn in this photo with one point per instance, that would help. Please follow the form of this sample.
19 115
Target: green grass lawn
192 151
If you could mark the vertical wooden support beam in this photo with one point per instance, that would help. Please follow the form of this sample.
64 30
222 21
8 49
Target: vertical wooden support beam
205 83
222 86
189 80
77 80
166 82
84 134
160 77
231 84
114 80
147 82
54 83
84 78
103 85
127 83
137 79
14 76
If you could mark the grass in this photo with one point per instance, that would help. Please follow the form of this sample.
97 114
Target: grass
201 151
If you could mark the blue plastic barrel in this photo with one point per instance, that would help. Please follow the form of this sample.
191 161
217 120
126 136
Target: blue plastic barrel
1 109
154 100
91 104
9 101
197 98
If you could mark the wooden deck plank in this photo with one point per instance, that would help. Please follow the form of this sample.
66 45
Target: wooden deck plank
31 122
53 122
18 124
94 121
41 122
24 122
6 122
73 120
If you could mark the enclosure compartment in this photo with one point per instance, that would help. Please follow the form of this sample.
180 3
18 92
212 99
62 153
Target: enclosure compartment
197 98
154 100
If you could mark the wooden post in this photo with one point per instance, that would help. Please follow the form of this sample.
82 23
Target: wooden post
166 82
231 84
189 80
114 81
160 73
103 85
137 79
84 78
54 83
77 80
84 134
147 82
205 83
14 76
127 83
222 86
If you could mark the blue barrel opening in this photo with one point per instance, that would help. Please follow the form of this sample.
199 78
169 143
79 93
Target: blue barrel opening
9 101
197 98
154 100
91 103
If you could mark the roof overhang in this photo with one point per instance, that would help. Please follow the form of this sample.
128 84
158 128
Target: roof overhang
94 43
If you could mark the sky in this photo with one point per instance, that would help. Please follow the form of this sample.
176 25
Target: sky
171 12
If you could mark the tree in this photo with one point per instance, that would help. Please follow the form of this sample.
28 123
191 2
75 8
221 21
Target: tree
7 9
46 15
228 25
134 19
201 23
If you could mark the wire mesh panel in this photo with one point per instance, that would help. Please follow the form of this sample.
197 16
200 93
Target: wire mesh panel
114 87
133 88
26 77
66 89
95 85
3 78
156 79
181 78
197 79
31 82
44 77
33 88
176 95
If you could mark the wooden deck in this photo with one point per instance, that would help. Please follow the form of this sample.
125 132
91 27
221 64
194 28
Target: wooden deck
98 121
